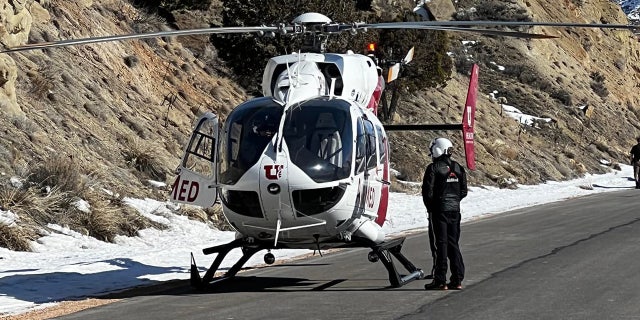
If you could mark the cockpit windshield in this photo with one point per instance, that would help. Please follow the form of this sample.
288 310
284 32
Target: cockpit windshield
247 132
319 137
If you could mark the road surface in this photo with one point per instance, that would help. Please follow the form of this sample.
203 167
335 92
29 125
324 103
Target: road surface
574 259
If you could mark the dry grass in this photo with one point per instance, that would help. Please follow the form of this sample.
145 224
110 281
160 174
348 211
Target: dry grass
107 218
139 156
24 124
404 187
35 207
51 193
101 222
15 238
194 213
501 150
42 82
217 218
59 171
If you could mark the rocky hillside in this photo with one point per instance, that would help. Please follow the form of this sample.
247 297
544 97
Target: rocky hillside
104 107
585 83
119 113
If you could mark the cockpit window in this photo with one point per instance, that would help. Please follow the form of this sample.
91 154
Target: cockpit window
319 138
247 132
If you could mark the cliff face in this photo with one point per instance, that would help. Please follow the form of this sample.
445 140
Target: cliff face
15 19
101 105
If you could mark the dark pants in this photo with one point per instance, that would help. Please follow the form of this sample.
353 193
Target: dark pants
432 246
636 173
446 232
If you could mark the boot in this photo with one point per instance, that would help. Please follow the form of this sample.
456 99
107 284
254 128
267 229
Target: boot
435 285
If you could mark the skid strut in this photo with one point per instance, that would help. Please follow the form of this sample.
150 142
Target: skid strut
222 250
384 251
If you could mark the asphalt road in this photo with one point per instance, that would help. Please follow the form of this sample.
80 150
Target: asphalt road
575 259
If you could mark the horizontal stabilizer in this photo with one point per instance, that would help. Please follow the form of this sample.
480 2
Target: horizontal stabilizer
394 71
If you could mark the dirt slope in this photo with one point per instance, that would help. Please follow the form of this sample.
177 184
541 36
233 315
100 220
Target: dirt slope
107 106
554 79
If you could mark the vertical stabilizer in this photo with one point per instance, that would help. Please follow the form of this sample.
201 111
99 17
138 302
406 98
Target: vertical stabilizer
468 119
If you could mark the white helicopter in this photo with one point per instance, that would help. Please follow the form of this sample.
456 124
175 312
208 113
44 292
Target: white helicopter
307 165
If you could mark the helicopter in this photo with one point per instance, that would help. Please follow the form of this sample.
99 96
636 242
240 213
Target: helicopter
306 166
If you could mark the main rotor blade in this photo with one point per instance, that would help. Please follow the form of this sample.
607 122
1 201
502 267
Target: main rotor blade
135 36
514 34
501 23
458 26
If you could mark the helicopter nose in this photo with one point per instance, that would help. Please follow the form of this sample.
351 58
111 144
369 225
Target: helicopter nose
273 188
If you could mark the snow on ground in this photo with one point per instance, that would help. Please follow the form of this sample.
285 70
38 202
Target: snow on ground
68 265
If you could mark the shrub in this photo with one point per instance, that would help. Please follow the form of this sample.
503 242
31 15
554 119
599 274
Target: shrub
131 61
578 3
247 55
620 63
494 10
139 156
216 217
61 172
42 81
597 84
170 5
563 96
14 238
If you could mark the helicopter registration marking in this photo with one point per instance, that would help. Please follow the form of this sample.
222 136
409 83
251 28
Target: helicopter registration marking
371 197
273 171
185 190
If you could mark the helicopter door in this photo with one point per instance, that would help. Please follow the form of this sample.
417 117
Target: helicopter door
197 173
373 183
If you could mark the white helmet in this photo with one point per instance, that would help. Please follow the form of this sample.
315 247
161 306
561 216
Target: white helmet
440 146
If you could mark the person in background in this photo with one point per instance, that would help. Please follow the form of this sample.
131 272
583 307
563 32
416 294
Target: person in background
444 186
635 161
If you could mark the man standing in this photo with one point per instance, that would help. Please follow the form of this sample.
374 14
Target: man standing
444 185
635 162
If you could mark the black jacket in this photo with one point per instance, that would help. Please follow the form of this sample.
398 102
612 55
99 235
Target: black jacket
635 153
444 184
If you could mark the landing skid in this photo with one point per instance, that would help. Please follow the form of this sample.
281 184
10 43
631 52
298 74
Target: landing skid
382 251
248 250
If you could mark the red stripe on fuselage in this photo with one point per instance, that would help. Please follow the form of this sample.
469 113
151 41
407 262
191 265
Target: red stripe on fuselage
375 97
384 194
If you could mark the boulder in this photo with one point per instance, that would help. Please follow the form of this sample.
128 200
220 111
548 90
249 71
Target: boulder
441 9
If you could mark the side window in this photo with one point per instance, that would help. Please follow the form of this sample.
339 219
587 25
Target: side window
382 149
361 146
372 145
235 131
